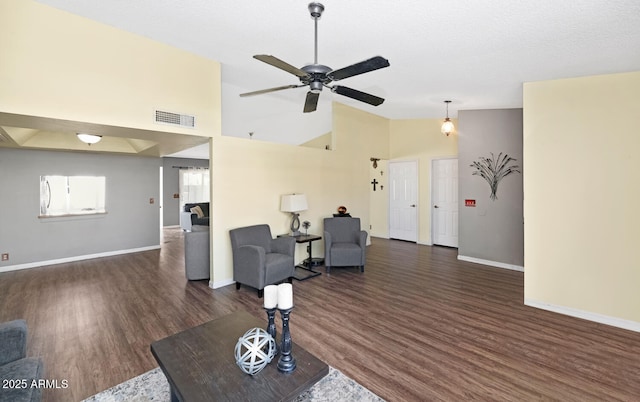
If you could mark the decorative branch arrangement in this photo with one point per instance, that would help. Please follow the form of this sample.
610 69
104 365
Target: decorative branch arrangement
494 169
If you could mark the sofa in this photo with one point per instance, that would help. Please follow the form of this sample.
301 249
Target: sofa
196 253
190 216
17 371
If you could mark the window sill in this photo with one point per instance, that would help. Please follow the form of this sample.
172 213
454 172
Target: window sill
73 216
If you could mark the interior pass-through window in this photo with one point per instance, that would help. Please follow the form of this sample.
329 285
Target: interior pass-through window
72 195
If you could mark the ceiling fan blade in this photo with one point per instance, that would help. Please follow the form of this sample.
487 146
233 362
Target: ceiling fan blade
311 103
358 95
276 62
265 91
371 64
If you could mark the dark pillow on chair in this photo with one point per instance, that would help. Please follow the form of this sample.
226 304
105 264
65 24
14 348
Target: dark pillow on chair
204 206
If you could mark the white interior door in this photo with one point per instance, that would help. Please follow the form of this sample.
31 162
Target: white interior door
445 202
403 200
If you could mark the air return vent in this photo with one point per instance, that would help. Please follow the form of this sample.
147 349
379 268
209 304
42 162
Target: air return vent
175 119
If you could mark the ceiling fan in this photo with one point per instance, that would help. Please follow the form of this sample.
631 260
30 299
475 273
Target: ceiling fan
317 76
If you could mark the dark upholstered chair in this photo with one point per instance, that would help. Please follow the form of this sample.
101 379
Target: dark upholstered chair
15 365
260 260
344 243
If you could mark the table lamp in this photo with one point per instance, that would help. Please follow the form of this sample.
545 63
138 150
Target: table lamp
294 203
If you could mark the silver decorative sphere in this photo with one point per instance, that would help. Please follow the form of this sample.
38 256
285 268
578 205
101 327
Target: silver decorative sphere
254 350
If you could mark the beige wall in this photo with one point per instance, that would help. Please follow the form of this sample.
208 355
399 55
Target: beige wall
581 185
63 66
379 199
249 176
422 141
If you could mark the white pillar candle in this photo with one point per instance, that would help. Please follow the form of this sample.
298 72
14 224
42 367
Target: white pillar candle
270 296
285 296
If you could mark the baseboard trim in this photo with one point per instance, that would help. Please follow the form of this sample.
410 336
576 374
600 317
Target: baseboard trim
75 258
585 315
389 238
221 284
491 263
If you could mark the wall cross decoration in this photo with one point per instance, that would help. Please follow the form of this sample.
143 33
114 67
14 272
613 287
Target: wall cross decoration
374 182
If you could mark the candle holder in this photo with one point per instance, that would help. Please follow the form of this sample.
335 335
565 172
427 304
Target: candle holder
286 362
271 326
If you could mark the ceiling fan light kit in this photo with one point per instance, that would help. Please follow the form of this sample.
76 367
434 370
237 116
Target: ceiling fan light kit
317 76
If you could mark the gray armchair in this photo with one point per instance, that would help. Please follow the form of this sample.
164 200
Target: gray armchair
14 365
344 243
260 260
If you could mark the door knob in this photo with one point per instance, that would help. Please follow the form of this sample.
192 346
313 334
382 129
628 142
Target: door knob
435 206
412 205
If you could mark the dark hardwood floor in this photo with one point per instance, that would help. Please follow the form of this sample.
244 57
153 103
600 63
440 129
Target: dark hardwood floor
417 325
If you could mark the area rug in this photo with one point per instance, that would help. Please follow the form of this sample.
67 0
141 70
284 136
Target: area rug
153 386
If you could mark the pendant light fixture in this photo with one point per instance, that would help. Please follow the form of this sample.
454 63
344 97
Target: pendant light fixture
447 126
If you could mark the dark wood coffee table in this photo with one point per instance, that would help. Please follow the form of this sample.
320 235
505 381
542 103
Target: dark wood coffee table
199 364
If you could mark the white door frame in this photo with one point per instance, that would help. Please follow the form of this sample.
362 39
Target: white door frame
417 222
431 192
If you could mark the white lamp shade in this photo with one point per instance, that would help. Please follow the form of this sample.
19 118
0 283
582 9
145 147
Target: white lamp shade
293 203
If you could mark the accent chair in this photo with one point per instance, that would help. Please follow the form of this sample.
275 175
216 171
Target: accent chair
260 260
344 243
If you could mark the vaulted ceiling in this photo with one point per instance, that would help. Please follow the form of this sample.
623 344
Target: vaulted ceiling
477 54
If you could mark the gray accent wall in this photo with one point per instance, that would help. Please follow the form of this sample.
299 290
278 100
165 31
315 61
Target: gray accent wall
493 230
131 221
171 186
